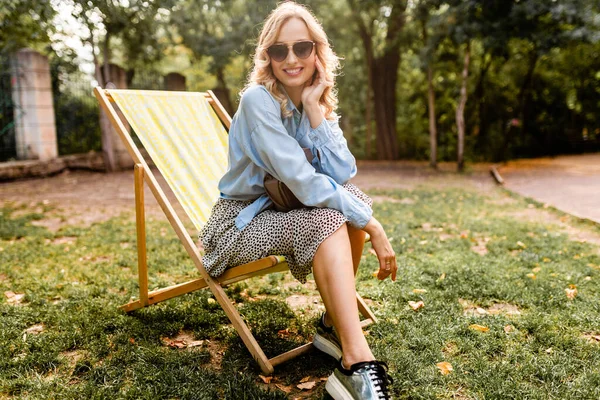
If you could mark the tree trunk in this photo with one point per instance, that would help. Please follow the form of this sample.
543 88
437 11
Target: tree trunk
224 97
460 110
481 104
107 77
432 122
129 74
525 95
369 118
384 77
431 105
108 148
512 125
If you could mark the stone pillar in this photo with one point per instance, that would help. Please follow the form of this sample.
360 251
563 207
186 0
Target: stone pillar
115 153
175 81
35 127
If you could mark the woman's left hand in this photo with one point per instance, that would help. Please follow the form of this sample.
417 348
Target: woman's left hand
311 94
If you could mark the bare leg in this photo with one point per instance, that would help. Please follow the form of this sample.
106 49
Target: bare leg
357 243
334 275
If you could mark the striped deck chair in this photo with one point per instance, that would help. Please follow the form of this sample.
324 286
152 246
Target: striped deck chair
184 136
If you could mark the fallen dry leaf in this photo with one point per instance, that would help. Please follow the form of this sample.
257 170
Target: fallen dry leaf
283 333
131 340
479 328
509 328
571 292
195 343
592 337
521 244
415 305
306 385
305 379
419 291
481 311
35 329
442 277
265 379
549 350
283 388
480 248
176 344
13 298
587 278
444 367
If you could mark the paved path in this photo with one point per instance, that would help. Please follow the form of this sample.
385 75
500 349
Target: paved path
569 183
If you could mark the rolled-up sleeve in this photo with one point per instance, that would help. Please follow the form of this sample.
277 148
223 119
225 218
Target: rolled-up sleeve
270 147
335 159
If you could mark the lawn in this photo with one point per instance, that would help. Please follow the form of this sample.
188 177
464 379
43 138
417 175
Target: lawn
509 290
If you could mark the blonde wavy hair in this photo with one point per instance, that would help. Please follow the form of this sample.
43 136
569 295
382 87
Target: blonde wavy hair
262 73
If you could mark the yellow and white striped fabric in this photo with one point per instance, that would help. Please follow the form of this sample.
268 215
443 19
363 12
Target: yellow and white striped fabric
185 139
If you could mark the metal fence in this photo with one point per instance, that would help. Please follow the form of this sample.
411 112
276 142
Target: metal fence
76 111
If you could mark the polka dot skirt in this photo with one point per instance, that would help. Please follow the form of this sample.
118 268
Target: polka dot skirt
296 235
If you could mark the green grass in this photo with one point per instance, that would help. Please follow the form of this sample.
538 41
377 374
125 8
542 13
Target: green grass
75 279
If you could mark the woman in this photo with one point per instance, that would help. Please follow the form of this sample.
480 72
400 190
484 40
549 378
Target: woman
288 105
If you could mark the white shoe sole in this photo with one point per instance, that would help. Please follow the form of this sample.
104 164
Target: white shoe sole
336 389
326 346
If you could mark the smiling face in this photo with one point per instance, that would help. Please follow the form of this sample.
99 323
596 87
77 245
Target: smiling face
294 72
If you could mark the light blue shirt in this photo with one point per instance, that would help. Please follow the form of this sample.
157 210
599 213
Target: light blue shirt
262 141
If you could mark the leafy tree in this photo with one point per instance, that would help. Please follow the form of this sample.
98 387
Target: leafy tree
25 23
133 25
544 26
422 15
219 30
380 25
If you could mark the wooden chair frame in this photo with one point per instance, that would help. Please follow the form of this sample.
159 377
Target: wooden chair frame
142 173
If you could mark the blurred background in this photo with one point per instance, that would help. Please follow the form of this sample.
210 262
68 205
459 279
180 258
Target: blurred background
462 81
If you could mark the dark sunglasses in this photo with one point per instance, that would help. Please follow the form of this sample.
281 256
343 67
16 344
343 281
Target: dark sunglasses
302 50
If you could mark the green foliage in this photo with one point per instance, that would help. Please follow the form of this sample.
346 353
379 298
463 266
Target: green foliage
533 86
25 23
75 110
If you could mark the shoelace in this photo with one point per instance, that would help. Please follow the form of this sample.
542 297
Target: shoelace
381 379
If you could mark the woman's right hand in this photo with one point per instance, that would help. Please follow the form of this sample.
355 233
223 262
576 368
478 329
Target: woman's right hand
383 249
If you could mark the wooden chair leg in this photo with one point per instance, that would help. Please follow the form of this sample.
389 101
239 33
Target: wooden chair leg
141 233
364 309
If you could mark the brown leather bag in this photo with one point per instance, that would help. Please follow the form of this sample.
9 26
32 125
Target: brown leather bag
282 197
